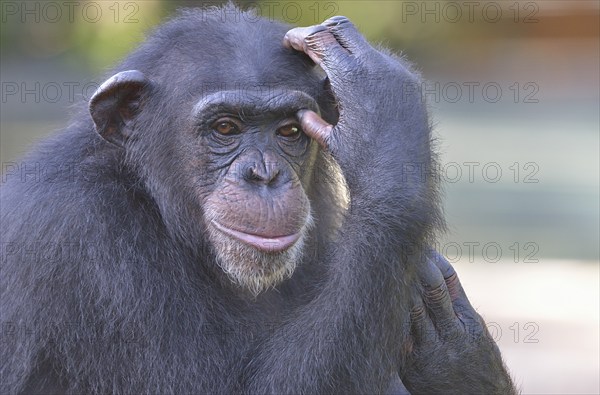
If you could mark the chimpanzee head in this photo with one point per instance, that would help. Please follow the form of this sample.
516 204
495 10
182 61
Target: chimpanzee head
205 113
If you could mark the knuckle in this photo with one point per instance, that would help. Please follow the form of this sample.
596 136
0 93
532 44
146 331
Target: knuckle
453 285
319 38
436 295
336 20
418 313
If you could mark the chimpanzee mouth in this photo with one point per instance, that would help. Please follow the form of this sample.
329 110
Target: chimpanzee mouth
262 243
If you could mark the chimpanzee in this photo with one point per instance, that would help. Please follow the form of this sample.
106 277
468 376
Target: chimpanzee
236 214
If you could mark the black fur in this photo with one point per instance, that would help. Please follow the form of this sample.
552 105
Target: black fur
108 283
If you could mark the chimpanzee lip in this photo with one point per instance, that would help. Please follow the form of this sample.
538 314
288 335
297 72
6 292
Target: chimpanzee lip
263 243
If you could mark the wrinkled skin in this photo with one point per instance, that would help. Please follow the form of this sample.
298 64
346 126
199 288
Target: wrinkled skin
211 244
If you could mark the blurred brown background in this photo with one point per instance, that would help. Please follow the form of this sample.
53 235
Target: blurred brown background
514 91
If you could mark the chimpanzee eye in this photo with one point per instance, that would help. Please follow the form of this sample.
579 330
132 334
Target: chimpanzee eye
290 130
227 126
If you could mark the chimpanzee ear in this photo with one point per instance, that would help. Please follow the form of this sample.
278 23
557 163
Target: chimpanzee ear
116 103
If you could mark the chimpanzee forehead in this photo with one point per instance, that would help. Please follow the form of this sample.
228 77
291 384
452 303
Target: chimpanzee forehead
244 59
254 101
204 49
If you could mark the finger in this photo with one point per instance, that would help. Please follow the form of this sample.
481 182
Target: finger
455 289
319 44
296 39
421 327
436 295
462 306
315 127
347 35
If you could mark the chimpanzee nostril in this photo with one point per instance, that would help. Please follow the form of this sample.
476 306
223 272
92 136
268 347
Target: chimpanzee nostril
250 173
260 174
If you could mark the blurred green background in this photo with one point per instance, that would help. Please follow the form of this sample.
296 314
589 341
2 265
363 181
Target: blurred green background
513 88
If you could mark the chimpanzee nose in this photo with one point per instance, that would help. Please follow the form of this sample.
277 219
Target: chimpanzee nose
261 173
262 168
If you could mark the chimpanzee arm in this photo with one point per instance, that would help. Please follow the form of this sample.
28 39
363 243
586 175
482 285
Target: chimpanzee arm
346 339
